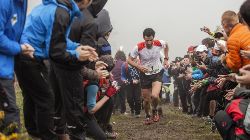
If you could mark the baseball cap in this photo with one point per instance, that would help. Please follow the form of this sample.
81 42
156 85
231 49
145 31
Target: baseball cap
191 49
201 48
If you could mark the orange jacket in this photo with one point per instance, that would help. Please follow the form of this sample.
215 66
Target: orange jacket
239 39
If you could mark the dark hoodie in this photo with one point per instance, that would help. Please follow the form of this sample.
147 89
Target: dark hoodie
84 30
104 26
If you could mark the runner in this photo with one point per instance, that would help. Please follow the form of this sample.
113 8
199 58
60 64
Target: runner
151 71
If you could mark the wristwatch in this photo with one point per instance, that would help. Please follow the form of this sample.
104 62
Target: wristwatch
165 58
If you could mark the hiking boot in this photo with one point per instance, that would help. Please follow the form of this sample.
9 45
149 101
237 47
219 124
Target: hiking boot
155 116
148 120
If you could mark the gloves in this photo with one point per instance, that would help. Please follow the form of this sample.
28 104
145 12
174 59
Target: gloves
111 91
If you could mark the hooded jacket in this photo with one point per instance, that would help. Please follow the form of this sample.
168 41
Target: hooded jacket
12 19
238 40
84 30
50 22
104 26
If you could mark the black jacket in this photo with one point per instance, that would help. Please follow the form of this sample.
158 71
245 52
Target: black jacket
84 30
104 26
58 42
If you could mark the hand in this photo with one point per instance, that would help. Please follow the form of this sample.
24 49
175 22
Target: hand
181 75
229 77
229 95
115 84
166 64
86 53
246 67
223 59
188 76
245 54
221 82
100 64
206 30
102 73
125 81
143 69
28 50
244 78
222 47
203 66
111 91
94 55
135 81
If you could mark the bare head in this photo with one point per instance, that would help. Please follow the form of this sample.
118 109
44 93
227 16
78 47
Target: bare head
228 20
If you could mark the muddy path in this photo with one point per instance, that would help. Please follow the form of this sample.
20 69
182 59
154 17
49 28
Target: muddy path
174 126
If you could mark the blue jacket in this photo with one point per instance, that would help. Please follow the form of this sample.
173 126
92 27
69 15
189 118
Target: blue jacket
166 77
129 73
39 25
12 19
197 74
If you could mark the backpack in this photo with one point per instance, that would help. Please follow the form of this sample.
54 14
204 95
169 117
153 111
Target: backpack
234 121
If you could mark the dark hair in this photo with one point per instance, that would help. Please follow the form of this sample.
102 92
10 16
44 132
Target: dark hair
108 59
148 32
120 55
208 42
218 35
186 56
245 12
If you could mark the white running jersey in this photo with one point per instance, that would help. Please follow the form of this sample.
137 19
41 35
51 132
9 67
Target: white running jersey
150 58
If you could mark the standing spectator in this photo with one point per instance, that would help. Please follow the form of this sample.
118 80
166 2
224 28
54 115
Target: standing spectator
12 19
65 73
238 39
130 76
119 98
173 72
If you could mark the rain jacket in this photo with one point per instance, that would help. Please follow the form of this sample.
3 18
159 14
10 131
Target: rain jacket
12 19
197 74
48 21
239 39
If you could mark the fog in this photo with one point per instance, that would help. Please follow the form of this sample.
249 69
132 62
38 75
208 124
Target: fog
176 21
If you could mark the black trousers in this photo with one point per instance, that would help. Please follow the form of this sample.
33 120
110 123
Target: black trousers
120 99
103 115
69 93
196 100
11 111
203 109
134 98
93 129
37 98
183 97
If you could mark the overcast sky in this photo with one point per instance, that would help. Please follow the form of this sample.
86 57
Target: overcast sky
176 21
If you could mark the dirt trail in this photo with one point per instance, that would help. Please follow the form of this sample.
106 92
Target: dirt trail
174 126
